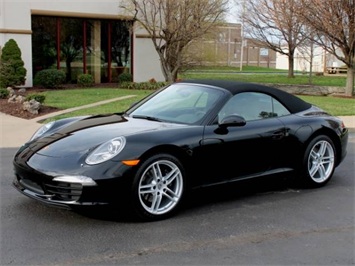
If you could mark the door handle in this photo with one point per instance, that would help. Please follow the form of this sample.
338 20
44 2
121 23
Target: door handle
278 134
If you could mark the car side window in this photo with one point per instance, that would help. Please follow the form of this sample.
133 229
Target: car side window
279 109
253 106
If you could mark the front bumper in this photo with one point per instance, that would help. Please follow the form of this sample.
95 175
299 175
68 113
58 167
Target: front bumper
68 195
42 197
344 137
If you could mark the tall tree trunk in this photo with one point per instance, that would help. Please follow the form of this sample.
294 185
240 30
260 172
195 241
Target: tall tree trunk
349 89
164 65
311 63
290 66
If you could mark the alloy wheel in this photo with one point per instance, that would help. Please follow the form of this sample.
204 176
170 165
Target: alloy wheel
321 161
160 187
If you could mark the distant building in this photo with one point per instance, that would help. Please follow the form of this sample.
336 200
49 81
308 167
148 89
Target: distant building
224 47
321 60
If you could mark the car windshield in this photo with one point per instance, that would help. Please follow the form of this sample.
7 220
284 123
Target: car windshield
179 103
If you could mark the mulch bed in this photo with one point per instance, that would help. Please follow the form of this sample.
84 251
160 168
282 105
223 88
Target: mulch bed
15 109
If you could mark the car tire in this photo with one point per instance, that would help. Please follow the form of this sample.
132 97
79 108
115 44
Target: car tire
319 161
158 187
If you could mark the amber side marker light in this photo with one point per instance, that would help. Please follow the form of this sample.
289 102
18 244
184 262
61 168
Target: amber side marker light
130 162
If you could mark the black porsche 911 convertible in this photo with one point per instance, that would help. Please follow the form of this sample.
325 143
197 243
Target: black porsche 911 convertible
187 135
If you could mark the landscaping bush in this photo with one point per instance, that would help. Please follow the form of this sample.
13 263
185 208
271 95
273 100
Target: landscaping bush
85 80
127 85
125 77
142 85
12 71
38 97
50 78
4 93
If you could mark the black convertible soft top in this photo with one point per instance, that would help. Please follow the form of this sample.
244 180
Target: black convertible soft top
291 102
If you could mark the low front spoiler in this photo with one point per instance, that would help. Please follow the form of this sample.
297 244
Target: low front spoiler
47 199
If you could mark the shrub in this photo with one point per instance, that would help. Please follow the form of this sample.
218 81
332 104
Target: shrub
50 78
4 93
142 85
12 70
126 85
38 97
85 80
125 77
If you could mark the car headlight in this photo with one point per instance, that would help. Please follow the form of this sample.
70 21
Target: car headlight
42 130
106 151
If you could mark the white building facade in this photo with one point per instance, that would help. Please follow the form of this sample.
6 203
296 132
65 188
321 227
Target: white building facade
78 36
321 60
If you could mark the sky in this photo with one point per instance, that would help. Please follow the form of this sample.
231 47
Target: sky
234 7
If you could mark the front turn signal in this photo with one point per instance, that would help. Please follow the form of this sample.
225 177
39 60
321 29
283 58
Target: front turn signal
130 162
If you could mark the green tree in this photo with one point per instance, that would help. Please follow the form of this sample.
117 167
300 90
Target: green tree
12 70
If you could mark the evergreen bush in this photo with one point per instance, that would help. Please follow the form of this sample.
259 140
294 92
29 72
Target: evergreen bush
4 93
50 78
38 97
85 80
12 70
143 85
125 77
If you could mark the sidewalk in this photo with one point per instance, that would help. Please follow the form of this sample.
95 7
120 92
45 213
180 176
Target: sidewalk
16 131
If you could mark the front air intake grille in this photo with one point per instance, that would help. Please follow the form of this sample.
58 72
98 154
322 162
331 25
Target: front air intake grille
31 185
63 191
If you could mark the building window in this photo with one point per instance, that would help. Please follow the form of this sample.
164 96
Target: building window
101 48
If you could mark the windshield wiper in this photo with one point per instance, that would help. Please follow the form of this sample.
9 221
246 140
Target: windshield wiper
150 118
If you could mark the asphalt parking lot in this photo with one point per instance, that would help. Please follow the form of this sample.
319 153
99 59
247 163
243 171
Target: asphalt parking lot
252 223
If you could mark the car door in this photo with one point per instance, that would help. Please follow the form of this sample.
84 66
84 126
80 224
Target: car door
239 152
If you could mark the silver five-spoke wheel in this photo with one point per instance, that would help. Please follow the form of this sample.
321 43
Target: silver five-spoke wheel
320 161
159 186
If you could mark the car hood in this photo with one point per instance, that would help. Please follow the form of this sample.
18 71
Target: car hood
88 133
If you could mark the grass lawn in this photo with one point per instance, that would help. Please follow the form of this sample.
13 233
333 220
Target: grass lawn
245 69
269 78
80 97
260 75
69 98
113 107
334 105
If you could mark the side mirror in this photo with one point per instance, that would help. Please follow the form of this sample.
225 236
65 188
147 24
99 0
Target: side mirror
232 121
